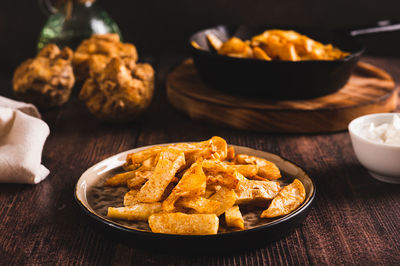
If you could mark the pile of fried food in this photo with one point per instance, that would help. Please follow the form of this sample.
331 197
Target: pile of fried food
185 188
115 87
287 45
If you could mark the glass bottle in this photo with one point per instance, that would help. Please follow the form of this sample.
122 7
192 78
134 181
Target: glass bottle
71 21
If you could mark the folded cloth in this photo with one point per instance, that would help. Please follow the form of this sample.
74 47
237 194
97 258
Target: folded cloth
22 136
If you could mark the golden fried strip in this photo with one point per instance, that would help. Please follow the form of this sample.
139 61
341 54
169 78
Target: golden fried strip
137 212
184 224
139 179
139 157
255 191
228 181
288 199
130 198
234 218
248 170
170 161
192 183
267 169
119 179
226 197
199 204
213 167
214 148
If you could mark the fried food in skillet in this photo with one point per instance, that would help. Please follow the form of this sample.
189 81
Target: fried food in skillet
285 45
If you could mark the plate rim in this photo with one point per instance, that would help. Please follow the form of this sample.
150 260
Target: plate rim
117 226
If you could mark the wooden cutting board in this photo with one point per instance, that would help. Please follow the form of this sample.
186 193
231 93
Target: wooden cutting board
369 90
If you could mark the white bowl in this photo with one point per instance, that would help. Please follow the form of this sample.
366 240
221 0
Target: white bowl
381 160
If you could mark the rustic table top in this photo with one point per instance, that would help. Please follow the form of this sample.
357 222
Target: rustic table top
354 219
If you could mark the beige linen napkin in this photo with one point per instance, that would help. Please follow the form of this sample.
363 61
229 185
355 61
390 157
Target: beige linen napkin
22 136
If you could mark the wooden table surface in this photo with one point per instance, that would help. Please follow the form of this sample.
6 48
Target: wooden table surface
354 219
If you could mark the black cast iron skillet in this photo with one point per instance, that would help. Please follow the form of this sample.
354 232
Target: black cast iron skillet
274 79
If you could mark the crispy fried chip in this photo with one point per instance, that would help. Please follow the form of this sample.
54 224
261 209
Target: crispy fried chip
139 179
192 183
119 179
234 218
255 191
139 211
184 224
168 164
213 167
199 204
136 159
214 148
288 199
267 169
130 198
226 197
248 171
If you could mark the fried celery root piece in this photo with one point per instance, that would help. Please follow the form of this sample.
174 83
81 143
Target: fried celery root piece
192 183
256 191
130 198
266 169
214 148
139 179
136 212
135 160
137 175
184 224
219 173
229 181
234 218
226 197
215 167
119 179
170 161
287 200
199 204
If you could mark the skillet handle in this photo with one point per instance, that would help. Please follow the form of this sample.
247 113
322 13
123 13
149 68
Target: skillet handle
381 27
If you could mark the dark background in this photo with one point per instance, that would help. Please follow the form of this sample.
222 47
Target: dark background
162 27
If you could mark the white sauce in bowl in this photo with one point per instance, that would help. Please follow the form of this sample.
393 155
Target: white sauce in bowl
387 133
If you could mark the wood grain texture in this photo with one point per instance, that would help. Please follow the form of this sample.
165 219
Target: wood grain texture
354 218
369 90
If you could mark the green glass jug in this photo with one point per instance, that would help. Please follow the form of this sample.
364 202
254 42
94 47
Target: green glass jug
71 21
